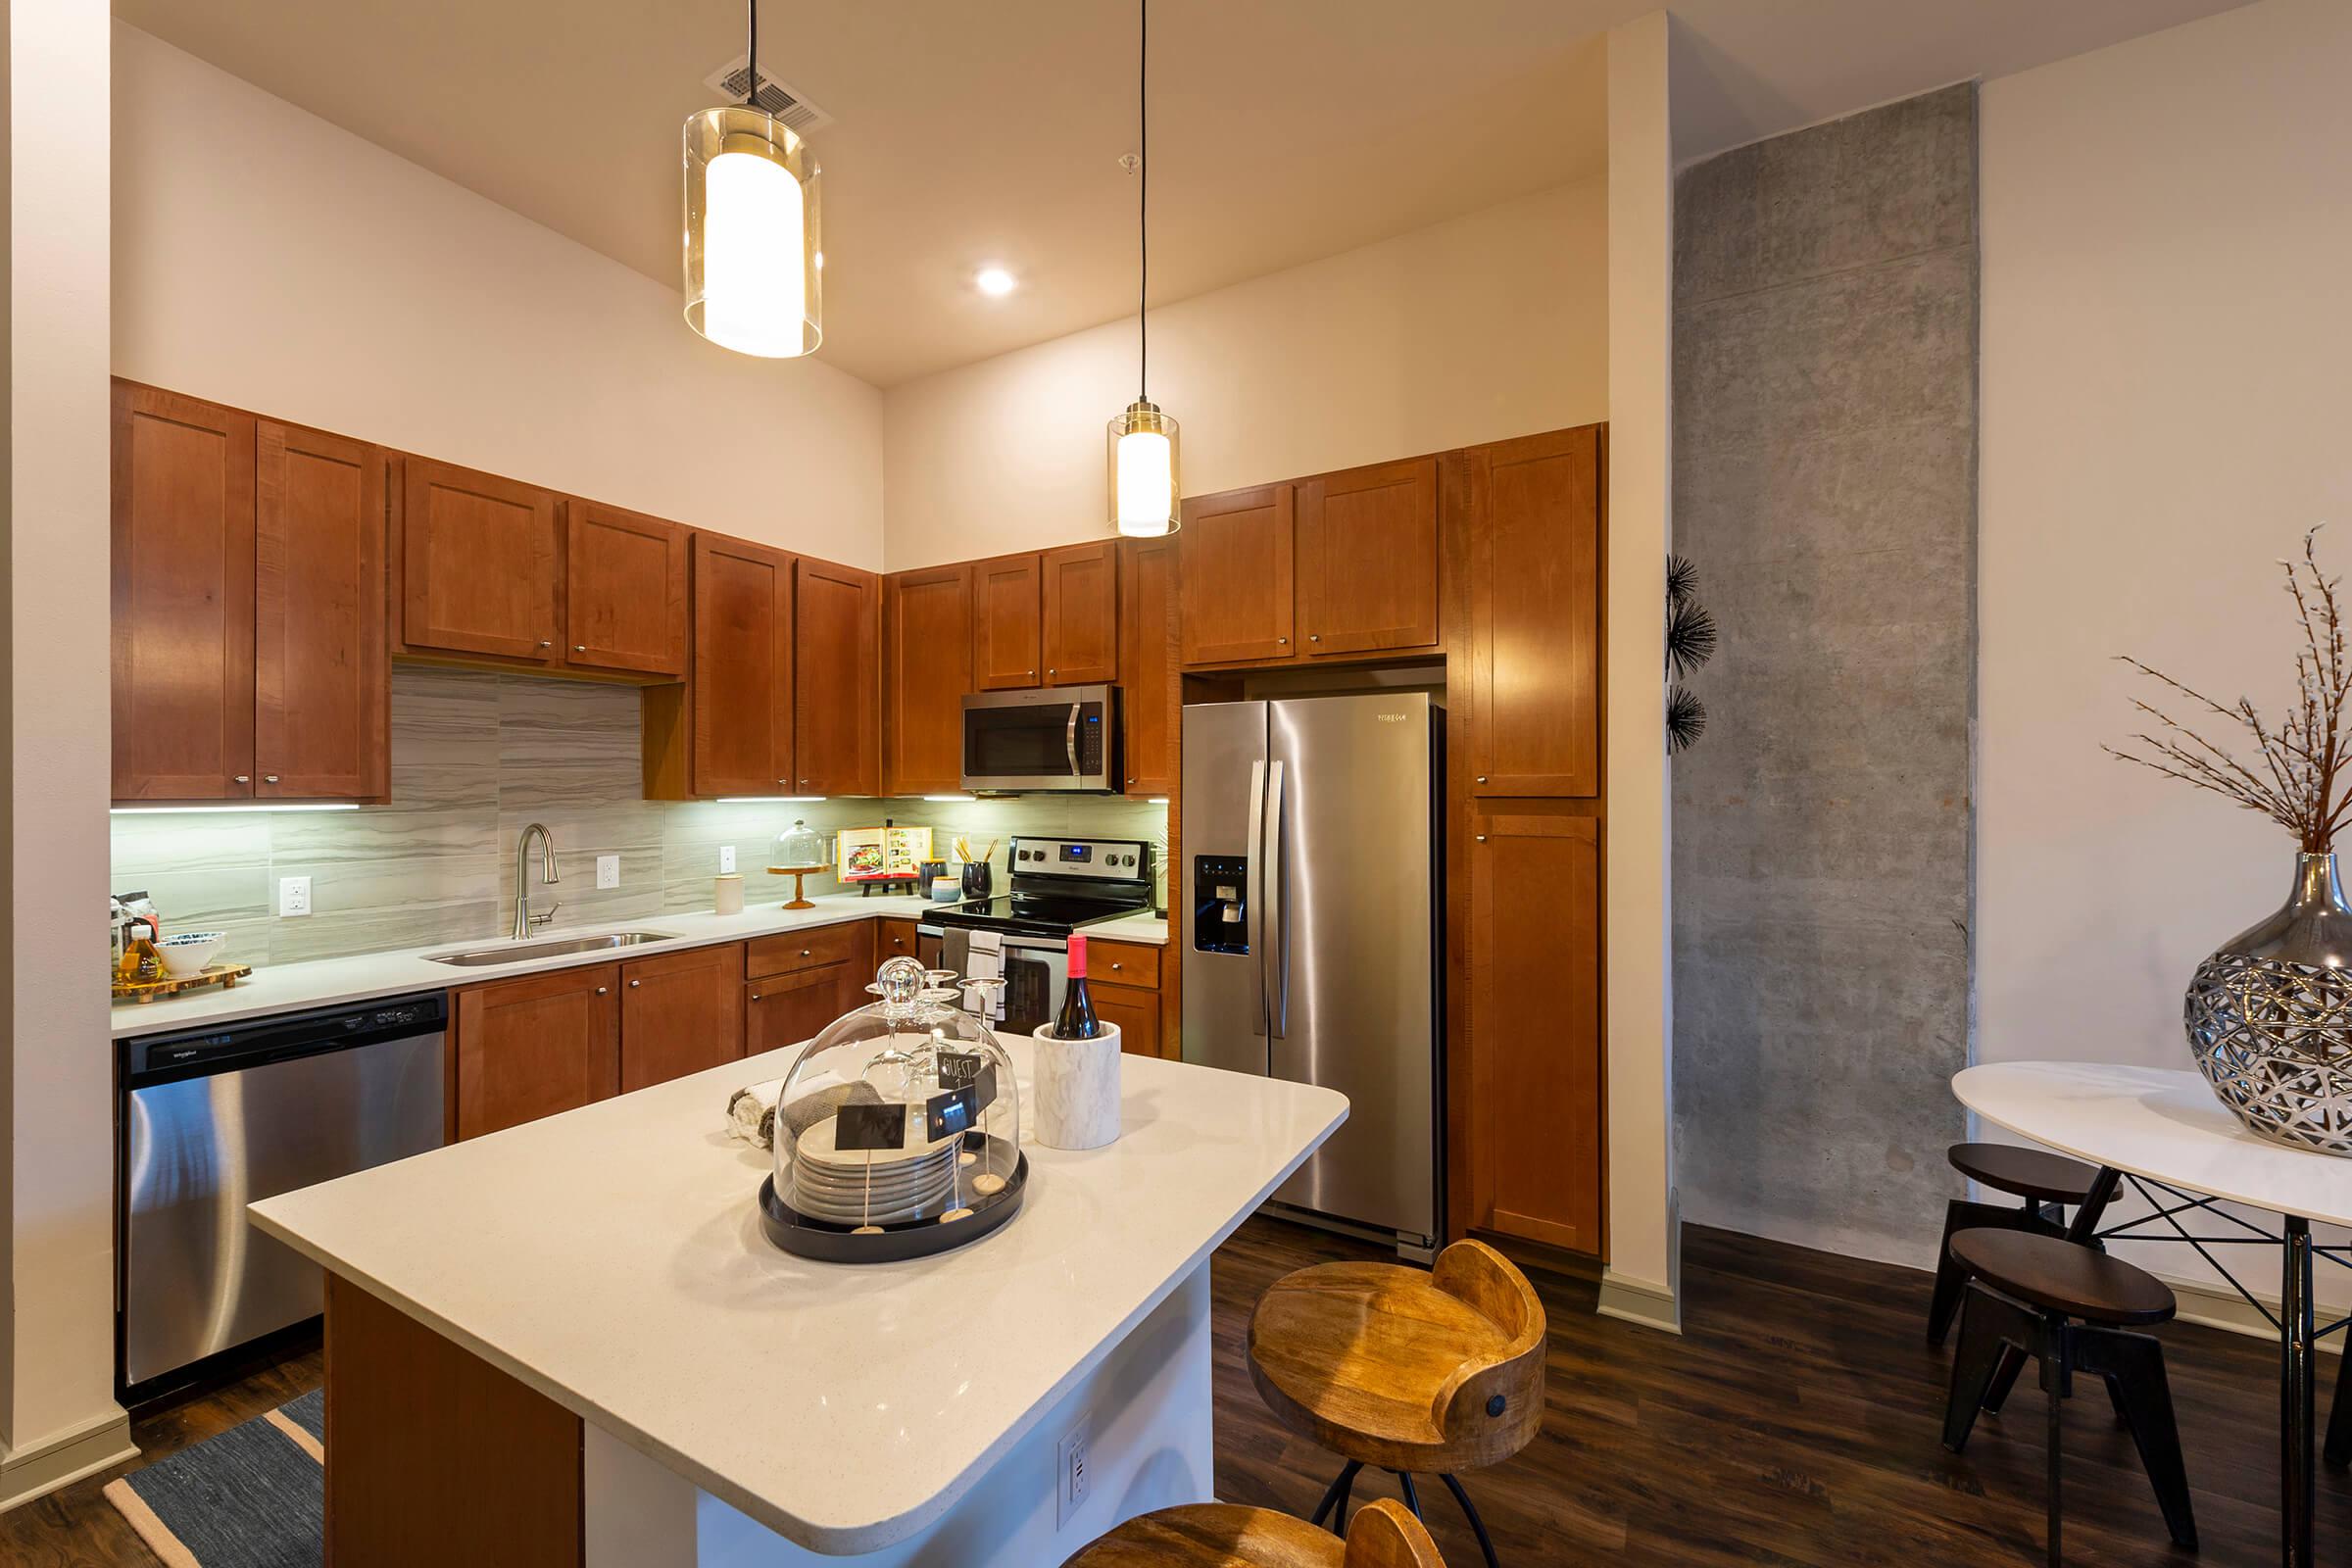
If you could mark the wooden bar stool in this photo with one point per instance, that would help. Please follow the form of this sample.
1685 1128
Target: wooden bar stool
2069 1307
1410 1372
2043 1179
1217 1535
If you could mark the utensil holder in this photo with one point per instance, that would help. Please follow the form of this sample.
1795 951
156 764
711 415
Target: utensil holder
978 879
1076 1088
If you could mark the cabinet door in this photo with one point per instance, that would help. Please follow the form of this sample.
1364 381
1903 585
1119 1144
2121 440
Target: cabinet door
321 692
742 685
182 548
789 1009
1007 636
477 563
1081 601
1368 558
1535 617
1135 1012
894 939
1233 559
1536 1093
926 670
1147 663
624 590
679 1013
530 1047
837 712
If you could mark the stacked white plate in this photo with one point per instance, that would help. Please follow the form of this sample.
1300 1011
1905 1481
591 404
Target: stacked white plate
878 1187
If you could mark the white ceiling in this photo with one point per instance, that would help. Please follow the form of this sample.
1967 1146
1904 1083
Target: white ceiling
969 134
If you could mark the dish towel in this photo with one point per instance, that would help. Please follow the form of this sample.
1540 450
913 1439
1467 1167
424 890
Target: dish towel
986 962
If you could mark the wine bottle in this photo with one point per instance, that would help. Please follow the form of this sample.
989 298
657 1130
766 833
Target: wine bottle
1077 1020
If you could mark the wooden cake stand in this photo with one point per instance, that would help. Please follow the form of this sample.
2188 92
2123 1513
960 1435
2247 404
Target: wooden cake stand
800 900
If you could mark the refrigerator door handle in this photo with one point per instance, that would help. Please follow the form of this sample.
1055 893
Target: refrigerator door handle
1253 885
1276 963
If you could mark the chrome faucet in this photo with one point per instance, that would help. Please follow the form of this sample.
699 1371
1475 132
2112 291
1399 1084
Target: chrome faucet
525 919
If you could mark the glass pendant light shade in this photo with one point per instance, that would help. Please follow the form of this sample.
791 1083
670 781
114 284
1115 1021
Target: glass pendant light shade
755 247
1143 480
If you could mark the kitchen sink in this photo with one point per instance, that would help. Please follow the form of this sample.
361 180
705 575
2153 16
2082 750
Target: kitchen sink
551 948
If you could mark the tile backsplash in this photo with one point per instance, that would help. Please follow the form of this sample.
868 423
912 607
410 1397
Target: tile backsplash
475 757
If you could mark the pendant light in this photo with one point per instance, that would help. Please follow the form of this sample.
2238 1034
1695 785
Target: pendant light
1141 454
755 255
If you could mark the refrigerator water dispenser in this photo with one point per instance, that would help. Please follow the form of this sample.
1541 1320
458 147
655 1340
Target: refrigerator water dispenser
1221 904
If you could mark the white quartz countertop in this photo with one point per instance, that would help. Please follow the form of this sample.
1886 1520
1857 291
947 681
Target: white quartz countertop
612 1257
327 982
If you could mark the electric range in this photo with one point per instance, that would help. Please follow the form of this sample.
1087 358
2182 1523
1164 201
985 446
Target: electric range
1058 888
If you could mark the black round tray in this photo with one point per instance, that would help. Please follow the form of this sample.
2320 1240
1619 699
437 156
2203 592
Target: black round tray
799 1234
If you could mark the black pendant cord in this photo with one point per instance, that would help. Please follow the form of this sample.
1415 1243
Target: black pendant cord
751 59
1142 195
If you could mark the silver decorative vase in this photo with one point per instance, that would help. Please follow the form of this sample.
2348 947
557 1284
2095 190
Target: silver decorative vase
2269 1017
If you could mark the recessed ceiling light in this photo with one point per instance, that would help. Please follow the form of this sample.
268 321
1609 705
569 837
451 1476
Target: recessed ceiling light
995 281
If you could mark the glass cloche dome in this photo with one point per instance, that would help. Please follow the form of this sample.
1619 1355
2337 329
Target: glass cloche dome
897 1129
799 847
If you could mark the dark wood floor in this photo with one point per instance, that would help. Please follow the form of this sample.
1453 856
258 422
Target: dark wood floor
1795 1422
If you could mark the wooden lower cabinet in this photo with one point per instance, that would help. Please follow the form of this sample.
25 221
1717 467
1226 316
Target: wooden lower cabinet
530 1047
894 939
1135 1012
1535 1109
679 1013
788 1008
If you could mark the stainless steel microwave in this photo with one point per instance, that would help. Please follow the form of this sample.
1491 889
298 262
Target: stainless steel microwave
1057 738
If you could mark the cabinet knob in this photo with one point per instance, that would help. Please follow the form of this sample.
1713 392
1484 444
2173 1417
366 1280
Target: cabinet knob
269 778
1481 778
577 648
1482 838
244 778
601 989
634 984
757 997
1114 968
805 952
547 642
1282 642
1032 675
1314 636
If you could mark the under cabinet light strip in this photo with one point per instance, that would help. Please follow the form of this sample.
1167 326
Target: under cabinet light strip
215 810
764 800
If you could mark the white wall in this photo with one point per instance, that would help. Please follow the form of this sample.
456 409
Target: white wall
1642 1281
57 1413
1490 325
2165 340
266 259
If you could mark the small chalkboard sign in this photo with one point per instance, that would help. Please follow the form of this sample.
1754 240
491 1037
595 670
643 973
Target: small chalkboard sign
945 1116
870 1126
960 1069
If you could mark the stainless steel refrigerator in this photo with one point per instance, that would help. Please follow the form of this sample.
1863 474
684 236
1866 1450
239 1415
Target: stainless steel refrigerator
1311 923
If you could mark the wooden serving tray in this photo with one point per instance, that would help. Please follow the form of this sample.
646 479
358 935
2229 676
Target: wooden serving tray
223 975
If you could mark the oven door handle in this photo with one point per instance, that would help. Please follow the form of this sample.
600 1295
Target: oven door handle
1069 738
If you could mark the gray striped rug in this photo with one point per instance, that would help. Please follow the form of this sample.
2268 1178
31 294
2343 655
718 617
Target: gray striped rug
255 1497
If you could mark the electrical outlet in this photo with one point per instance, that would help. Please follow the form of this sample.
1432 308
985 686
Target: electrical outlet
1070 1457
608 870
726 859
293 895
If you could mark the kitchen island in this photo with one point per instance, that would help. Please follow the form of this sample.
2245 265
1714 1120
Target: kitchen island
570 1343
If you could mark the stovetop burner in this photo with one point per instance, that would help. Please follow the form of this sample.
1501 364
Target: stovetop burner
1036 913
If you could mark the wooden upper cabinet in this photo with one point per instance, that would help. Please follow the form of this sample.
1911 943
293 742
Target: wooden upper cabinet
1233 562
321 687
1147 663
1535 616
1081 605
743 652
1367 560
182 606
836 714
624 590
478 564
1535 1095
926 670
530 1047
1006 631
680 1013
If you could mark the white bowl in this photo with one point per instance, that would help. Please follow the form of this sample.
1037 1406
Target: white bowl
186 952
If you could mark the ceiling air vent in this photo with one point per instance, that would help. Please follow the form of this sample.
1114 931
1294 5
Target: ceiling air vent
777 98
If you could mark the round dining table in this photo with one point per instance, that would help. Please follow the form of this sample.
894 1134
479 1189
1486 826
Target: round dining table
2163 1126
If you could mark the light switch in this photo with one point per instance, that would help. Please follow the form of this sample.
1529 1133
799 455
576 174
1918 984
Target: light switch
726 859
293 895
608 870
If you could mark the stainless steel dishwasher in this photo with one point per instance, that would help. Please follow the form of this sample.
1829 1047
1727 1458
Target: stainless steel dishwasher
210 1120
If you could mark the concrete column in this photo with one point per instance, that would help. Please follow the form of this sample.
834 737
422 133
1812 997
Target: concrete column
58 1419
1640 1281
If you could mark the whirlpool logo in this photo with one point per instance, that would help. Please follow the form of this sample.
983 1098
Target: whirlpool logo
1394 718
